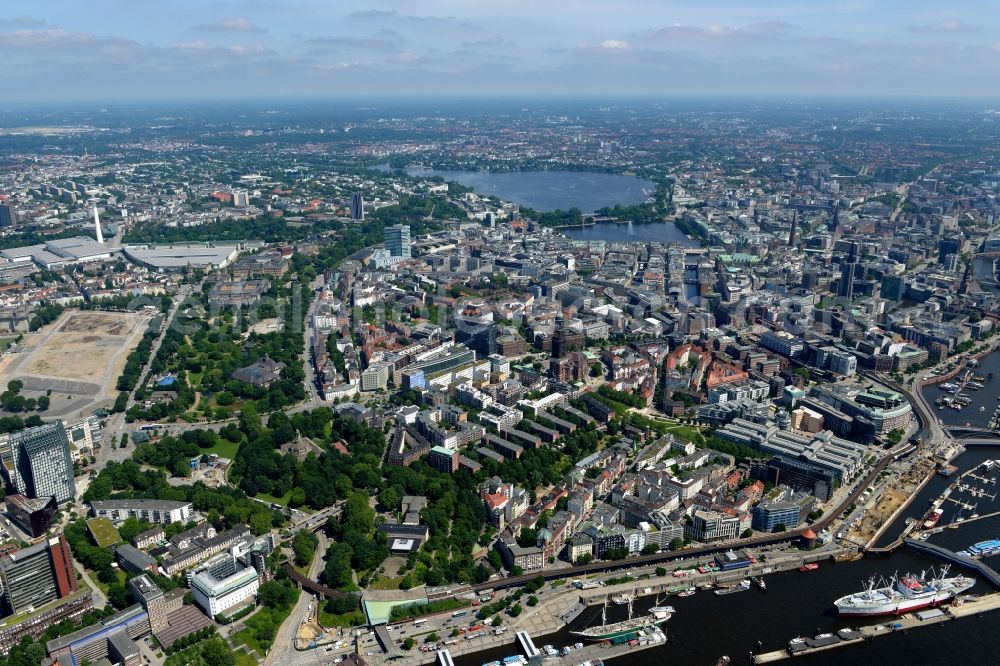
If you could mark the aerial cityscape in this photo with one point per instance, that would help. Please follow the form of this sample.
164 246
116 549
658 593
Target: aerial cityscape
367 361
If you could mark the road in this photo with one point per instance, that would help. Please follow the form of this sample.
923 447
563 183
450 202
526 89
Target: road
100 601
283 649
313 396
902 191
116 425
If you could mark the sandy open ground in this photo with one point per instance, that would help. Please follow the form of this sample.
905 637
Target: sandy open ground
81 354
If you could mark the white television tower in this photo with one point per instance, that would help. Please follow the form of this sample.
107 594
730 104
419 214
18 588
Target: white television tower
97 226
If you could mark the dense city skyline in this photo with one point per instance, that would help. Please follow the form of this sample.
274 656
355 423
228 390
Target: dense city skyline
393 333
109 50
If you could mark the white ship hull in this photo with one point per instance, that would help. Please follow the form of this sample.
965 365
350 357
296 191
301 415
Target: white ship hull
889 601
898 608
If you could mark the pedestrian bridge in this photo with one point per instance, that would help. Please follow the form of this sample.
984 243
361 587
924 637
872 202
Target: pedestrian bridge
527 646
961 560
444 658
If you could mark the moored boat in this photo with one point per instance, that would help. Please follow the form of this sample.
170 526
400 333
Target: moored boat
903 595
614 630
742 586
932 518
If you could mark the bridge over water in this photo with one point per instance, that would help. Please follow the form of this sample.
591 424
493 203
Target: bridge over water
972 432
962 560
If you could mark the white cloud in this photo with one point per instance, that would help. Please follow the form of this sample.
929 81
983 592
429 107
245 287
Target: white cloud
238 24
22 22
946 26
615 44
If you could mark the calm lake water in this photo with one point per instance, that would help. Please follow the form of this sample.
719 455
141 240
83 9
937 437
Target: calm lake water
707 626
663 232
551 190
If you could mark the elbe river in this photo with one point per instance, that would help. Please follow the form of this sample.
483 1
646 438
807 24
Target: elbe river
707 626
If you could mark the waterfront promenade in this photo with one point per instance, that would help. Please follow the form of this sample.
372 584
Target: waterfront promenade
984 604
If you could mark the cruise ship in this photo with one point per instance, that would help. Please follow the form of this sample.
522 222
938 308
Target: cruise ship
903 595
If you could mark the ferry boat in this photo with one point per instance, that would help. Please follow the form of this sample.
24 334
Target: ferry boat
899 596
606 631
812 566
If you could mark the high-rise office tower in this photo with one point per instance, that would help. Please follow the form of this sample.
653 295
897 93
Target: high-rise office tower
893 287
397 240
480 338
8 216
37 462
357 206
791 233
36 575
847 271
947 246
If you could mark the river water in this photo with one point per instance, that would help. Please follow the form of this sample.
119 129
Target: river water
551 190
707 626
984 401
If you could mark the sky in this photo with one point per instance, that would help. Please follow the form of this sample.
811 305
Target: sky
139 49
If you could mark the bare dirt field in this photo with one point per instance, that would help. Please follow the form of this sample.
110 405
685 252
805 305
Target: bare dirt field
79 355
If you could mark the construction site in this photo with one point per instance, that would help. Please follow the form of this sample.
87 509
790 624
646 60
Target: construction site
79 357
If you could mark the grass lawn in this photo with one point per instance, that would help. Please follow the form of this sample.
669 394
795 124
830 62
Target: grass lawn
352 619
387 583
247 637
104 586
224 449
6 342
243 659
687 433
283 500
